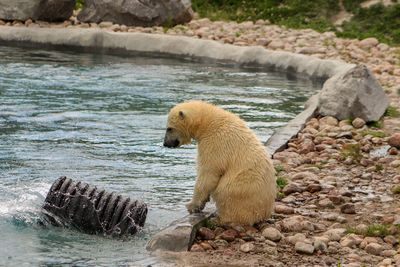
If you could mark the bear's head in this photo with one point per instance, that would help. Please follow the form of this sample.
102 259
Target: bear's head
178 127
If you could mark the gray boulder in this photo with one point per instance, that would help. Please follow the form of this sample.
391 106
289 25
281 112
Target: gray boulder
47 10
351 94
137 12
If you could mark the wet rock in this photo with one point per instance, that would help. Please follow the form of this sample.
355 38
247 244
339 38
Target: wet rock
137 13
247 247
206 233
374 249
348 208
283 209
358 123
394 140
272 234
305 248
355 93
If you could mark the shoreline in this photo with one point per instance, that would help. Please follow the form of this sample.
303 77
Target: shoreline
321 178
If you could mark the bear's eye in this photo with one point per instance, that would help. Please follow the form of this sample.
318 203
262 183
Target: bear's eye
169 129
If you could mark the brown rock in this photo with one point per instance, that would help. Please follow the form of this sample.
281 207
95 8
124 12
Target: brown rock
368 43
196 248
271 233
374 249
393 151
247 247
206 246
358 123
283 209
336 199
326 203
394 140
229 235
293 224
348 208
312 188
206 233
292 188
306 146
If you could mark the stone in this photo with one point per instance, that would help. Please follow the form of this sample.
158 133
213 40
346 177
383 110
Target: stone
206 246
196 248
335 234
299 237
394 140
276 44
45 10
137 13
229 235
283 209
350 241
206 233
272 234
302 247
292 188
326 203
358 123
353 93
374 249
391 240
368 43
348 208
319 244
312 188
293 224
247 247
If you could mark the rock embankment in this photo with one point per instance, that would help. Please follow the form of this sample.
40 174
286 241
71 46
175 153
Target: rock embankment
339 204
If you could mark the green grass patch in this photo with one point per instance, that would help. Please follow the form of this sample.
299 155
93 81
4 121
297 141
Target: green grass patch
374 134
319 166
209 224
392 112
352 151
376 124
376 230
279 168
280 195
379 167
79 4
396 189
281 182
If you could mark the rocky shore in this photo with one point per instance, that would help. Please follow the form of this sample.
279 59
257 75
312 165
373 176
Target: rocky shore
339 199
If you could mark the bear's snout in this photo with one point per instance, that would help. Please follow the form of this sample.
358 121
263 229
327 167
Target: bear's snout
171 143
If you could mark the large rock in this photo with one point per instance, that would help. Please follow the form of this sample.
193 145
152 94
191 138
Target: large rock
137 12
47 10
351 94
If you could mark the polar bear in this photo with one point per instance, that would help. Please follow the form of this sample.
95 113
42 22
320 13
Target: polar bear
233 166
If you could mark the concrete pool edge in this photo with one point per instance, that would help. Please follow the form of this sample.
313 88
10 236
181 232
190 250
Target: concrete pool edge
187 47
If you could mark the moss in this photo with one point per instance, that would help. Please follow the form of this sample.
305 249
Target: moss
392 112
374 134
279 168
353 151
281 182
379 167
376 230
79 4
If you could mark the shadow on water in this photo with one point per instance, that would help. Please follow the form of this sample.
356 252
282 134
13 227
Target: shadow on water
100 119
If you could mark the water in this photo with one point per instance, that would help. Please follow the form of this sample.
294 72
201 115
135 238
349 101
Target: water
100 119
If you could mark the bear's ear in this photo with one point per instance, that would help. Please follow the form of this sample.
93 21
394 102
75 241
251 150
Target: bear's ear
181 114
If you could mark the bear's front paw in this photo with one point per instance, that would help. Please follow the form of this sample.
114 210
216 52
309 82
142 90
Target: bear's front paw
194 207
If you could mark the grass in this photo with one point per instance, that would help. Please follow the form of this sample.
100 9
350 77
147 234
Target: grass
79 4
396 189
376 124
353 151
375 21
392 112
280 195
281 182
379 167
319 166
209 224
374 134
375 230
279 168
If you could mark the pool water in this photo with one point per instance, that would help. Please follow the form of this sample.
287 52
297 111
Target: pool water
101 119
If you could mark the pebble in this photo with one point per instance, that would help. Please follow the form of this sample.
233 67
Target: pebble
229 235
358 123
302 247
394 140
272 234
319 244
206 233
196 248
293 224
348 208
247 247
335 234
283 209
374 248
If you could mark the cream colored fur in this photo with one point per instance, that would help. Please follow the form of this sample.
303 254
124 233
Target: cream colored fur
233 167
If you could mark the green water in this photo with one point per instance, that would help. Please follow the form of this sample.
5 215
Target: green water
100 119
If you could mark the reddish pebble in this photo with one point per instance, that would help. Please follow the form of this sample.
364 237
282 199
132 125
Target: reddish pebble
196 248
